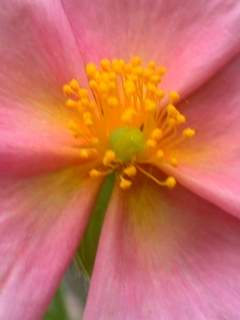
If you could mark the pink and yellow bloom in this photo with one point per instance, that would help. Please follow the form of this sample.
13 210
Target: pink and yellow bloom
169 247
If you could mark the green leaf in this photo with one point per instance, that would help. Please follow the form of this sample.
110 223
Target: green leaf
86 252
57 310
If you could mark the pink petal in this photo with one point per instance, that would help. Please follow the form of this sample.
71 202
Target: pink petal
210 163
193 39
41 223
165 255
38 55
38 51
32 141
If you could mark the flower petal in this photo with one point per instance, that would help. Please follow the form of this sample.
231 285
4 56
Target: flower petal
38 55
38 51
193 40
210 163
165 255
41 223
32 141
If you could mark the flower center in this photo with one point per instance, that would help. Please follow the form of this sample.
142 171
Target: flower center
127 143
125 119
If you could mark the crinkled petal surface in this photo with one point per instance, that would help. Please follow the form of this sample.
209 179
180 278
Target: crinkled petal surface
38 55
210 164
41 223
192 39
165 255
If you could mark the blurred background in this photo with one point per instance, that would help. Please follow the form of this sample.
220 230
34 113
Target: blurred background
69 301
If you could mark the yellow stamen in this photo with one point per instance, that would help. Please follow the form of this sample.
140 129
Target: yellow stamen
109 157
156 134
84 153
173 161
95 173
150 105
74 84
170 182
128 115
174 96
123 119
70 103
112 101
151 143
124 183
160 154
189 133
91 69
67 90
130 171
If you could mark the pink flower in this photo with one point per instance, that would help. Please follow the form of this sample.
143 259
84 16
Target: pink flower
163 254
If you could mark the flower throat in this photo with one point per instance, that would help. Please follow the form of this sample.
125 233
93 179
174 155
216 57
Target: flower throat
125 121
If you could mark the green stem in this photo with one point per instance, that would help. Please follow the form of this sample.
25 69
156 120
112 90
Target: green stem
86 252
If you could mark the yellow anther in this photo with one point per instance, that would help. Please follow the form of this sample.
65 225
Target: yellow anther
93 84
174 96
67 90
72 125
127 68
112 85
151 87
97 76
84 154
105 64
87 119
150 105
85 102
109 157
117 65
156 134
103 87
171 122
129 87
112 101
124 183
160 154
128 115
83 93
160 93
130 171
71 103
138 71
170 182
133 77
173 162
189 133
152 64
112 76
147 73
105 76
151 143
95 173
74 84
91 69
162 70
155 78
180 118
171 110
136 61
95 141
88 122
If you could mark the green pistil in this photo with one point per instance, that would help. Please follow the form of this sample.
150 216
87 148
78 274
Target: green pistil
127 142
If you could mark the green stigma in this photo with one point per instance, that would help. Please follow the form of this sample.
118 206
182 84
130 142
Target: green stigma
127 142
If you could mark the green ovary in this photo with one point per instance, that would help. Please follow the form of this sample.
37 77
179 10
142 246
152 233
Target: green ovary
127 142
